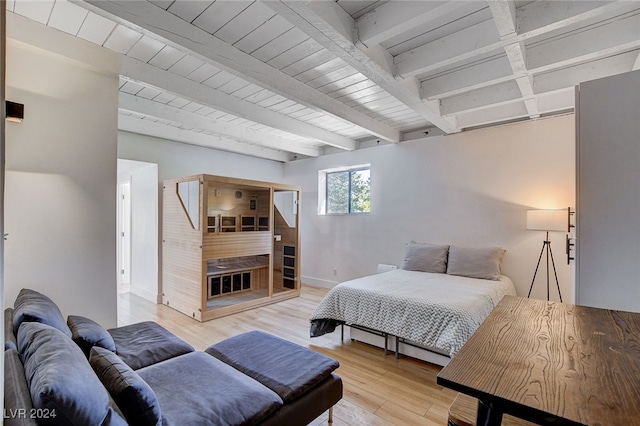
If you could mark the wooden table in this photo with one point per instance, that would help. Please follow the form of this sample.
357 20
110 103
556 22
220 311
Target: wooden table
463 412
551 363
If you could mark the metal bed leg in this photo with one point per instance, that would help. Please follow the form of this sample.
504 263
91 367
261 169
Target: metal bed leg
386 343
342 332
330 415
397 347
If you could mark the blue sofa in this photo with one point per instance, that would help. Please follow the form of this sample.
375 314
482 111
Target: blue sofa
75 372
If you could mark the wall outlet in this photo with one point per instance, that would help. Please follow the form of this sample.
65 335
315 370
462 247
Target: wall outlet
335 272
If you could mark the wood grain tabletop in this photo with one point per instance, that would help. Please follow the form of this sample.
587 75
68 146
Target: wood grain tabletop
553 363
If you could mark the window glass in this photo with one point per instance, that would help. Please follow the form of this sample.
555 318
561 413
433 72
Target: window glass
360 183
338 192
344 191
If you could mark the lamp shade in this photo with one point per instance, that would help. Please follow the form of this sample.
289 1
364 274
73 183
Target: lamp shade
547 220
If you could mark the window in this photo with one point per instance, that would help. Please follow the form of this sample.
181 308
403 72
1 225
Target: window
344 191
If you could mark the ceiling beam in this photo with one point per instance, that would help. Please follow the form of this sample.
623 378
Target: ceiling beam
449 50
498 70
497 114
504 17
559 100
607 39
503 93
145 17
159 110
599 42
483 38
483 74
541 17
394 18
569 77
189 89
132 124
329 25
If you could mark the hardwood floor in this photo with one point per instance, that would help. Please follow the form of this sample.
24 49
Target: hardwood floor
378 389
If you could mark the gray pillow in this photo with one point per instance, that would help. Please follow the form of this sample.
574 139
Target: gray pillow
31 306
60 378
426 257
88 333
475 262
131 393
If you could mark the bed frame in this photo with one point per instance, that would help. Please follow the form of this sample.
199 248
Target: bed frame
402 346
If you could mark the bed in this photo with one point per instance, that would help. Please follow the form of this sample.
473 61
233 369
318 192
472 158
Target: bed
437 311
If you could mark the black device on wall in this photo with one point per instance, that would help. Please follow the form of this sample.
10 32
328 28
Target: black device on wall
14 111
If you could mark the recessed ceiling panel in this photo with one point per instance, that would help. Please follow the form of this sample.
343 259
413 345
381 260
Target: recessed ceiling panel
122 39
36 10
96 29
145 49
67 17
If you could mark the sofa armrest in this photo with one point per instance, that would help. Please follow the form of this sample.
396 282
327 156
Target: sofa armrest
9 337
17 399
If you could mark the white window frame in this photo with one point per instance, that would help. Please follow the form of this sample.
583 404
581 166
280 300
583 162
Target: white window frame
322 188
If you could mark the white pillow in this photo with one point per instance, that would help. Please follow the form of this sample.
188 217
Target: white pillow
426 257
475 262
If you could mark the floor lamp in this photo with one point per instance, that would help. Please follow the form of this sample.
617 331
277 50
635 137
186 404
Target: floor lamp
548 221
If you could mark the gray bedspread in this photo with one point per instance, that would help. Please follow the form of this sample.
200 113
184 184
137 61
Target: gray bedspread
434 310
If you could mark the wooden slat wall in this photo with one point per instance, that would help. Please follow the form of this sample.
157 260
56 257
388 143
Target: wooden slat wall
260 278
235 244
289 238
181 256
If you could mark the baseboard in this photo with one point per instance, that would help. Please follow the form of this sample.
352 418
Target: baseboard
317 282
151 296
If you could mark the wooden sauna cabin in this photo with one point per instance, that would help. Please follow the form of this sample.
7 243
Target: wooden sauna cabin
228 244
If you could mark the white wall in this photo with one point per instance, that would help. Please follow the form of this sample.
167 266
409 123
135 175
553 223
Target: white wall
468 189
177 159
61 183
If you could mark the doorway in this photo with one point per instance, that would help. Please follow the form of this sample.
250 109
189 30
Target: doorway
138 229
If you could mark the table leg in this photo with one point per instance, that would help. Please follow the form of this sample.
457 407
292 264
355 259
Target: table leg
488 414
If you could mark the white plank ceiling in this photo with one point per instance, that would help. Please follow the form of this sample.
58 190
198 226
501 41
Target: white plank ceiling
287 79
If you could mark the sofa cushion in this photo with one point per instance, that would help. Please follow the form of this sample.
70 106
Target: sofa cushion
60 378
88 333
16 391
197 389
9 337
31 306
288 369
133 395
147 343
